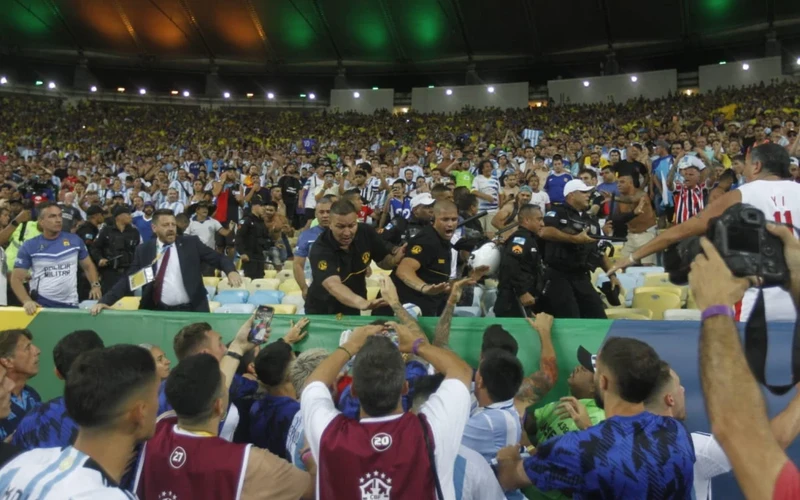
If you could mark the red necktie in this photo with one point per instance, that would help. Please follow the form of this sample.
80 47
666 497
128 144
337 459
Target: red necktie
159 284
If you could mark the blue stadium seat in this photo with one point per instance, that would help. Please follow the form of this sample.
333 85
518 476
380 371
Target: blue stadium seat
232 296
259 297
212 291
235 309
87 304
467 312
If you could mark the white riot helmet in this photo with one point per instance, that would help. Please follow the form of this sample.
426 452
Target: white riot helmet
487 254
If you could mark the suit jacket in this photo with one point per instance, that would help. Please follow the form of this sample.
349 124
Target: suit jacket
191 252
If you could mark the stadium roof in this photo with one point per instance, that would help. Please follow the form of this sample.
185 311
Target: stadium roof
385 36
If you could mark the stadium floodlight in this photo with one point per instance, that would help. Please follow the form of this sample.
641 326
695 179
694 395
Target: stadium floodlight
249 95
186 93
3 80
745 66
430 86
226 95
270 95
449 91
51 85
688 91
356 95
634 78
142 91
490 90
173 92
405 110
120 89
798 60
374 88
312 96
302 95
723 62
93 88
586 83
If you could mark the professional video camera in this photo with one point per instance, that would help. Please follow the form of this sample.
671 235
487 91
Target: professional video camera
741 238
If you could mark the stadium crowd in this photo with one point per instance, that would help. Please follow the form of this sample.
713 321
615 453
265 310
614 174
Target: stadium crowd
158 197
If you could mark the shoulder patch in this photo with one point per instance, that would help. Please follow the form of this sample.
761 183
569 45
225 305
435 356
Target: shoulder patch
416 249
388 226
551 213
516 249
322 265
519 240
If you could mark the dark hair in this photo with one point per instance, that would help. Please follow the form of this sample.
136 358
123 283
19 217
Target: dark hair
664 378
438 189
161 212
190 339
466 202
496 337
728 175
350 193
502 374
327 199
459 193
366 167
271 204
360 172
342 207
738 158
101 380
73 345
378 376
400 181
588 171
558 157
41 207
425 386
774 158
9 340
484 162
634 364
192 387
528 211
272 363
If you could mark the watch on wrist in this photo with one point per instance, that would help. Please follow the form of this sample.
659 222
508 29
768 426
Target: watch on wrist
234 355
14 222
96 284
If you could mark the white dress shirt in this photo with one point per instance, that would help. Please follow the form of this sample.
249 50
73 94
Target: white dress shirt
173 292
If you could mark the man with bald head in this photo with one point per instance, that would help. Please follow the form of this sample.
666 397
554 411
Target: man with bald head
422 277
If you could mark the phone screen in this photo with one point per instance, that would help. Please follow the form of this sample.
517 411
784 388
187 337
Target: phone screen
258 333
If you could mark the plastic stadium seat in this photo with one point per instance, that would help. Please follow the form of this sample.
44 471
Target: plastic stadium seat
675 290
232 296
284 308
213 305
285 275
372 292
644 270
467 312
298 293
211 281
212 291
682 315
657 301
629 283
690 303
269 274
295 300
640 314
87 304
288 286
657 279
263 284
127 304
488 300
235 309
265 297
225 285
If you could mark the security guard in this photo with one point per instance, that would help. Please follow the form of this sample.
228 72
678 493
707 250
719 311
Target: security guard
339 261
400 230
570 254
88 231
521 271
114 247
423 276
253 240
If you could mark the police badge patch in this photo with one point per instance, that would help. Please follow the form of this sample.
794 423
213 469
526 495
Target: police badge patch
323 265
416 249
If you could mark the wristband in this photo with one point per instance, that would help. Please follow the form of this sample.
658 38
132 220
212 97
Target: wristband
14 222
345 350
717 310
234 355
415 346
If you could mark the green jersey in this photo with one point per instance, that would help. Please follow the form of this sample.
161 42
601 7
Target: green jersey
463 178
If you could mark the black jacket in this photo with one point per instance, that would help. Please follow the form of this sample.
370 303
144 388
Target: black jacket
191 252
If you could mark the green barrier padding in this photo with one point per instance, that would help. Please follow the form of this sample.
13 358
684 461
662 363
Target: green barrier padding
136 327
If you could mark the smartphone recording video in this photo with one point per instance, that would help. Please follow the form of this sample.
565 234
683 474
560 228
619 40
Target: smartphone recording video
261 322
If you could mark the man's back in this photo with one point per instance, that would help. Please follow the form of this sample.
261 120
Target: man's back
46 426
55 474
644 456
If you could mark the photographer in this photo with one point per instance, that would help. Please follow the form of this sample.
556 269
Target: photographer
770 189
114 248
761 467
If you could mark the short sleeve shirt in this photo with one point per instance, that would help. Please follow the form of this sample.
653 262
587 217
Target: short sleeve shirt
329 259
434 256
306 239
54 266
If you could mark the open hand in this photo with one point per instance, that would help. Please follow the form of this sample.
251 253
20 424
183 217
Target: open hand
296 331
30 307
569 407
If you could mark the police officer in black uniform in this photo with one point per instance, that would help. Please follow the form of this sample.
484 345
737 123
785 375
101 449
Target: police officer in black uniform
521 271
339 260
88 231
114 247
400 230
252 240
423 277
570 254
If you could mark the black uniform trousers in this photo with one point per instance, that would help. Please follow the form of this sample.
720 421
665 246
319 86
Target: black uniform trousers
253 269
571 295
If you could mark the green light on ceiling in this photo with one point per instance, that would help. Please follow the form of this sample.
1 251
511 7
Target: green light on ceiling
294 30
28 23
39 82
374 88
430 86
371 32
302 95
427 25
718 6
723 62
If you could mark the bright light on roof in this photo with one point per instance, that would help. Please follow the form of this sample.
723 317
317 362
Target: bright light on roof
312 96
270 95
745 66
174 92
490 90
723 62
405 110
430 86
142 91
186 93
634 78
120 89
374 88
798 60
3 80
249 95
51 85
356 95
226 95
689 92
93 88
449 91
586 83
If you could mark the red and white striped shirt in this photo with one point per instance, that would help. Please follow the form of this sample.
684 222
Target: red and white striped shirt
688 202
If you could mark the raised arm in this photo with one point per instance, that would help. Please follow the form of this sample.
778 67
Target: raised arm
536 385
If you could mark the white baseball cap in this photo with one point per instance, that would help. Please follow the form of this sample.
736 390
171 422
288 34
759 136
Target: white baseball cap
576 185
794 161
422 199
691 161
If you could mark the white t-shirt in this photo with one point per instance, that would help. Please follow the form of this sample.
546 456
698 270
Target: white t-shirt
206 231
311 185
56 474
710 462
490 186
541 199
447 411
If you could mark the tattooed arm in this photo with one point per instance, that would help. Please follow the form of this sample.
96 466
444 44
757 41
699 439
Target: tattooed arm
441 337
389 294
536 386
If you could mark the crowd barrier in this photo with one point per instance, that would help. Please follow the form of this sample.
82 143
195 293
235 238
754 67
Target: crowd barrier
675 341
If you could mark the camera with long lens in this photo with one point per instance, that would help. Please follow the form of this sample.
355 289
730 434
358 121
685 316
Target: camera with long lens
740 236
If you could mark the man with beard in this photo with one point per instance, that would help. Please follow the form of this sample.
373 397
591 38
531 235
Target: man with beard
509 212
144 223
307 238
587 463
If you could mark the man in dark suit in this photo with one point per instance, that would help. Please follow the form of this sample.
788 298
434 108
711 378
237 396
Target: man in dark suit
175 261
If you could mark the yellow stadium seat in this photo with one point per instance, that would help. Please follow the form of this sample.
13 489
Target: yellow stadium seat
372 292
656 300
270 273
224 284
675 290
263 284
127 304
298 293
284 308
212 305
288 286
640 314
657 279
690 303
211 281
285 275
